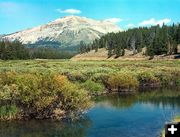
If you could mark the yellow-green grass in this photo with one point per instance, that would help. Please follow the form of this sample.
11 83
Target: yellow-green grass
161 72
177 119
89 67
22 80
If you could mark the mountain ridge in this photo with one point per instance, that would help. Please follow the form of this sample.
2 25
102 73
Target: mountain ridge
65 31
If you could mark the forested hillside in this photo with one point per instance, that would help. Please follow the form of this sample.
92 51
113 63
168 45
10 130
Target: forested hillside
16 50
157 40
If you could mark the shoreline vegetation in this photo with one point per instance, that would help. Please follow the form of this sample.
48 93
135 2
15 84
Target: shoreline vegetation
57 89
40 96
176 119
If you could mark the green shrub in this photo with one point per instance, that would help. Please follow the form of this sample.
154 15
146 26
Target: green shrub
178 82
121 81
147 78
165 78
100 77
76 77
43 95
73 98
93 87
8 112
176 77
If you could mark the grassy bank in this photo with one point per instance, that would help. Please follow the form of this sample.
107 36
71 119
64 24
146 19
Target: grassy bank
112 75
58 88
176 119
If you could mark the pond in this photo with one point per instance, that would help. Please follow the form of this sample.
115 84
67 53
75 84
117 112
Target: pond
140 115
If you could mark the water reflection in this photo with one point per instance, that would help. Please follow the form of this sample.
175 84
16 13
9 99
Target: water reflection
116 100
107 118
159 98
45 128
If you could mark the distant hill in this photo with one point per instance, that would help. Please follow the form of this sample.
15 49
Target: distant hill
1 36
158 40
64 32
102 54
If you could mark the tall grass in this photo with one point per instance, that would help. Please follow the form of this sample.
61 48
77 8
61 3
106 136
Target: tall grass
57 88
121 81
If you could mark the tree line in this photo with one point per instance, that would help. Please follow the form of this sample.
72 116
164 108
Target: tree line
158 40
16 50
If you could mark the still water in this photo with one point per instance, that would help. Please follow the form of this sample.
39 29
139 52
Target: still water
141 115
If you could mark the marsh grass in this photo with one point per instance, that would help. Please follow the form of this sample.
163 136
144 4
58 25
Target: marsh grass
122 81
93 87
159 73
57 88
8 112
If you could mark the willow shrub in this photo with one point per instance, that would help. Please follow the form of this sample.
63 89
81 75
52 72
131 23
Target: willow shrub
43 95
76 77
8 112
148 78
93 87
122 81
169 78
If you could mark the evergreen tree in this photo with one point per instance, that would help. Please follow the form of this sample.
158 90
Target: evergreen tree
110 49
178 34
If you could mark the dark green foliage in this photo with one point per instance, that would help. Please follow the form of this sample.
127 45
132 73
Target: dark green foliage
9 111
16 50
178 34
13 50
157 40
49 53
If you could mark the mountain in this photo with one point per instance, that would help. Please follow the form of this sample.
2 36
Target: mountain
1 36
64 32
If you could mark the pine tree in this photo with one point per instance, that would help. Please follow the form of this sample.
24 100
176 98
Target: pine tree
96 45
2 49
123 52
110 49
178 35
157 40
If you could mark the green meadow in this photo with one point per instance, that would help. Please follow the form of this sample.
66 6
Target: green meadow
55 89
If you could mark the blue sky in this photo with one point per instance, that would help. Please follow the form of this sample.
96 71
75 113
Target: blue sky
17 15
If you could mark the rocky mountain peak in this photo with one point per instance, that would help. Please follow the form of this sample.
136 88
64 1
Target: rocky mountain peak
65 31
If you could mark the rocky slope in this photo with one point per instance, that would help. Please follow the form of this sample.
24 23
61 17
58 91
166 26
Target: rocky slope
66 31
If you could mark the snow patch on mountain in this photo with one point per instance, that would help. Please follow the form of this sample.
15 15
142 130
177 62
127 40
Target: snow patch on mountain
68 30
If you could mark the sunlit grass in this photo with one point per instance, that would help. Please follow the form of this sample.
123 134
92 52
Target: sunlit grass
37 83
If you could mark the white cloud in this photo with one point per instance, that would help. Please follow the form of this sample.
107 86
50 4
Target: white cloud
69 11
130 25
114 20
152 22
